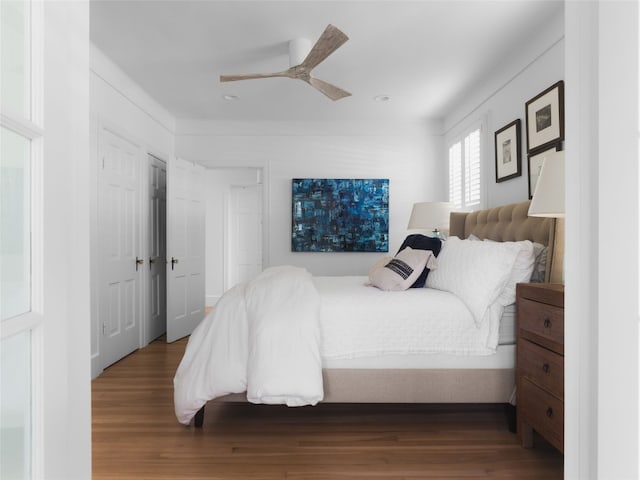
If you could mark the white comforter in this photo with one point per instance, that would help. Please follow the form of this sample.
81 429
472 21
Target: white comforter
263 337
268 336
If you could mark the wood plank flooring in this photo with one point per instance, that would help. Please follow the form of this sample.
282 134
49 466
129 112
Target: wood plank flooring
136 436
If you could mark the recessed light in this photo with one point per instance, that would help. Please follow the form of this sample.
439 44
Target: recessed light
382 98
230 97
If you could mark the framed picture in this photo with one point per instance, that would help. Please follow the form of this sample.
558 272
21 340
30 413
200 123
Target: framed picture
535 165
340 215
545 118
508 160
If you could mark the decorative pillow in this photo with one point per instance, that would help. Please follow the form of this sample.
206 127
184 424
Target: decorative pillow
379 264
476 272
421 242
539 273
400 272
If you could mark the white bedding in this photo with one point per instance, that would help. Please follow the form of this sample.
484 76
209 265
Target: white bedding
270 336
359 320
263 337
504 358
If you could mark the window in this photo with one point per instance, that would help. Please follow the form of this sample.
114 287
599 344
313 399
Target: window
465 170
20 236
15 224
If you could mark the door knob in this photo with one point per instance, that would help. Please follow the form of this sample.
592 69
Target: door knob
139 261
173 262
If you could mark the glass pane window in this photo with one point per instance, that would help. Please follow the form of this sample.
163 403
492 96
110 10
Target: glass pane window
15 224
15 57
15 407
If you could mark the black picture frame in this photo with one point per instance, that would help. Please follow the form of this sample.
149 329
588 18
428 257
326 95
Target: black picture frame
508 151
544 115
534 164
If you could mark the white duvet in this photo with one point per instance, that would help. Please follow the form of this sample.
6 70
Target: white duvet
263 337
268 336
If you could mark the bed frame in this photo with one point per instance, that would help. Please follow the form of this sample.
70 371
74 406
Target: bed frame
506 223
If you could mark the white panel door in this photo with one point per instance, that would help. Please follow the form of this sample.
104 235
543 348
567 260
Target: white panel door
120 270
157 296
245 233
185 248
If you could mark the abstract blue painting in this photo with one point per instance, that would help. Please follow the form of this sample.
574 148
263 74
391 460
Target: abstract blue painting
340 215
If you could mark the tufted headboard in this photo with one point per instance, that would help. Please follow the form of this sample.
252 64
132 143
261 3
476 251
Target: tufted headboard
509 223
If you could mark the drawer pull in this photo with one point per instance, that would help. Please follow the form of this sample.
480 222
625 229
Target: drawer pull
547 323
549 412
545 368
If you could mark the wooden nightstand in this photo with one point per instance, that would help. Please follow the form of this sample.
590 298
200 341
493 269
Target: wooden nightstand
540 362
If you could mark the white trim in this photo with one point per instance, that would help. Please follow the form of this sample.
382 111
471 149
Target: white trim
37 225
266 213
20 323
581 112
112 75
37 402
37 63
21 126
226 241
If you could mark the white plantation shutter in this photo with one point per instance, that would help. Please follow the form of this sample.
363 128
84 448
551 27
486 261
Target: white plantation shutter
465 170
472 169
455 174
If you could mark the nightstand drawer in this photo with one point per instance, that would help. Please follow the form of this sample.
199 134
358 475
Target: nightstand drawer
543 367
543 411
546 321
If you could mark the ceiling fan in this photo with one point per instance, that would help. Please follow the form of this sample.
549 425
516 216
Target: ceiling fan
330 40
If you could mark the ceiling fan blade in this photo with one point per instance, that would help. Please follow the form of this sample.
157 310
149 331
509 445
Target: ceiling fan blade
330 40
250 76
331 91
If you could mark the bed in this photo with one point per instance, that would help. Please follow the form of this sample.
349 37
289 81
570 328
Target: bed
479 368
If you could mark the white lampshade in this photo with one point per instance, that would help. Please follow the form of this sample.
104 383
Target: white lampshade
431 216
548 197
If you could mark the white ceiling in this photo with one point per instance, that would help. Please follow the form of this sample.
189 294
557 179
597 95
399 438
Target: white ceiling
423 54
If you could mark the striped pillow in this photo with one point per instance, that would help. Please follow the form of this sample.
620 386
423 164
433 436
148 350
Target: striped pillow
399 273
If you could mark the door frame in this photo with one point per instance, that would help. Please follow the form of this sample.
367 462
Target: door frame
262 178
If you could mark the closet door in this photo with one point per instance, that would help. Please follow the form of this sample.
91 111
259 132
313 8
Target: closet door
157 272
185 248
119 300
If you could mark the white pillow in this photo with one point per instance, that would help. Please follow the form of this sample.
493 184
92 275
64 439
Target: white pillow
400 272
476 272
521 272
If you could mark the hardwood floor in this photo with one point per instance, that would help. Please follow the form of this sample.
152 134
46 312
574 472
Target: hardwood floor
136 436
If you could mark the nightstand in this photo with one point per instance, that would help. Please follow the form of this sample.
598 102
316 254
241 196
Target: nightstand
540 362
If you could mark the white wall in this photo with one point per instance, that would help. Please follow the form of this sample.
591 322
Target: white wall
501 100
66 441
410 156
602 438
121 105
